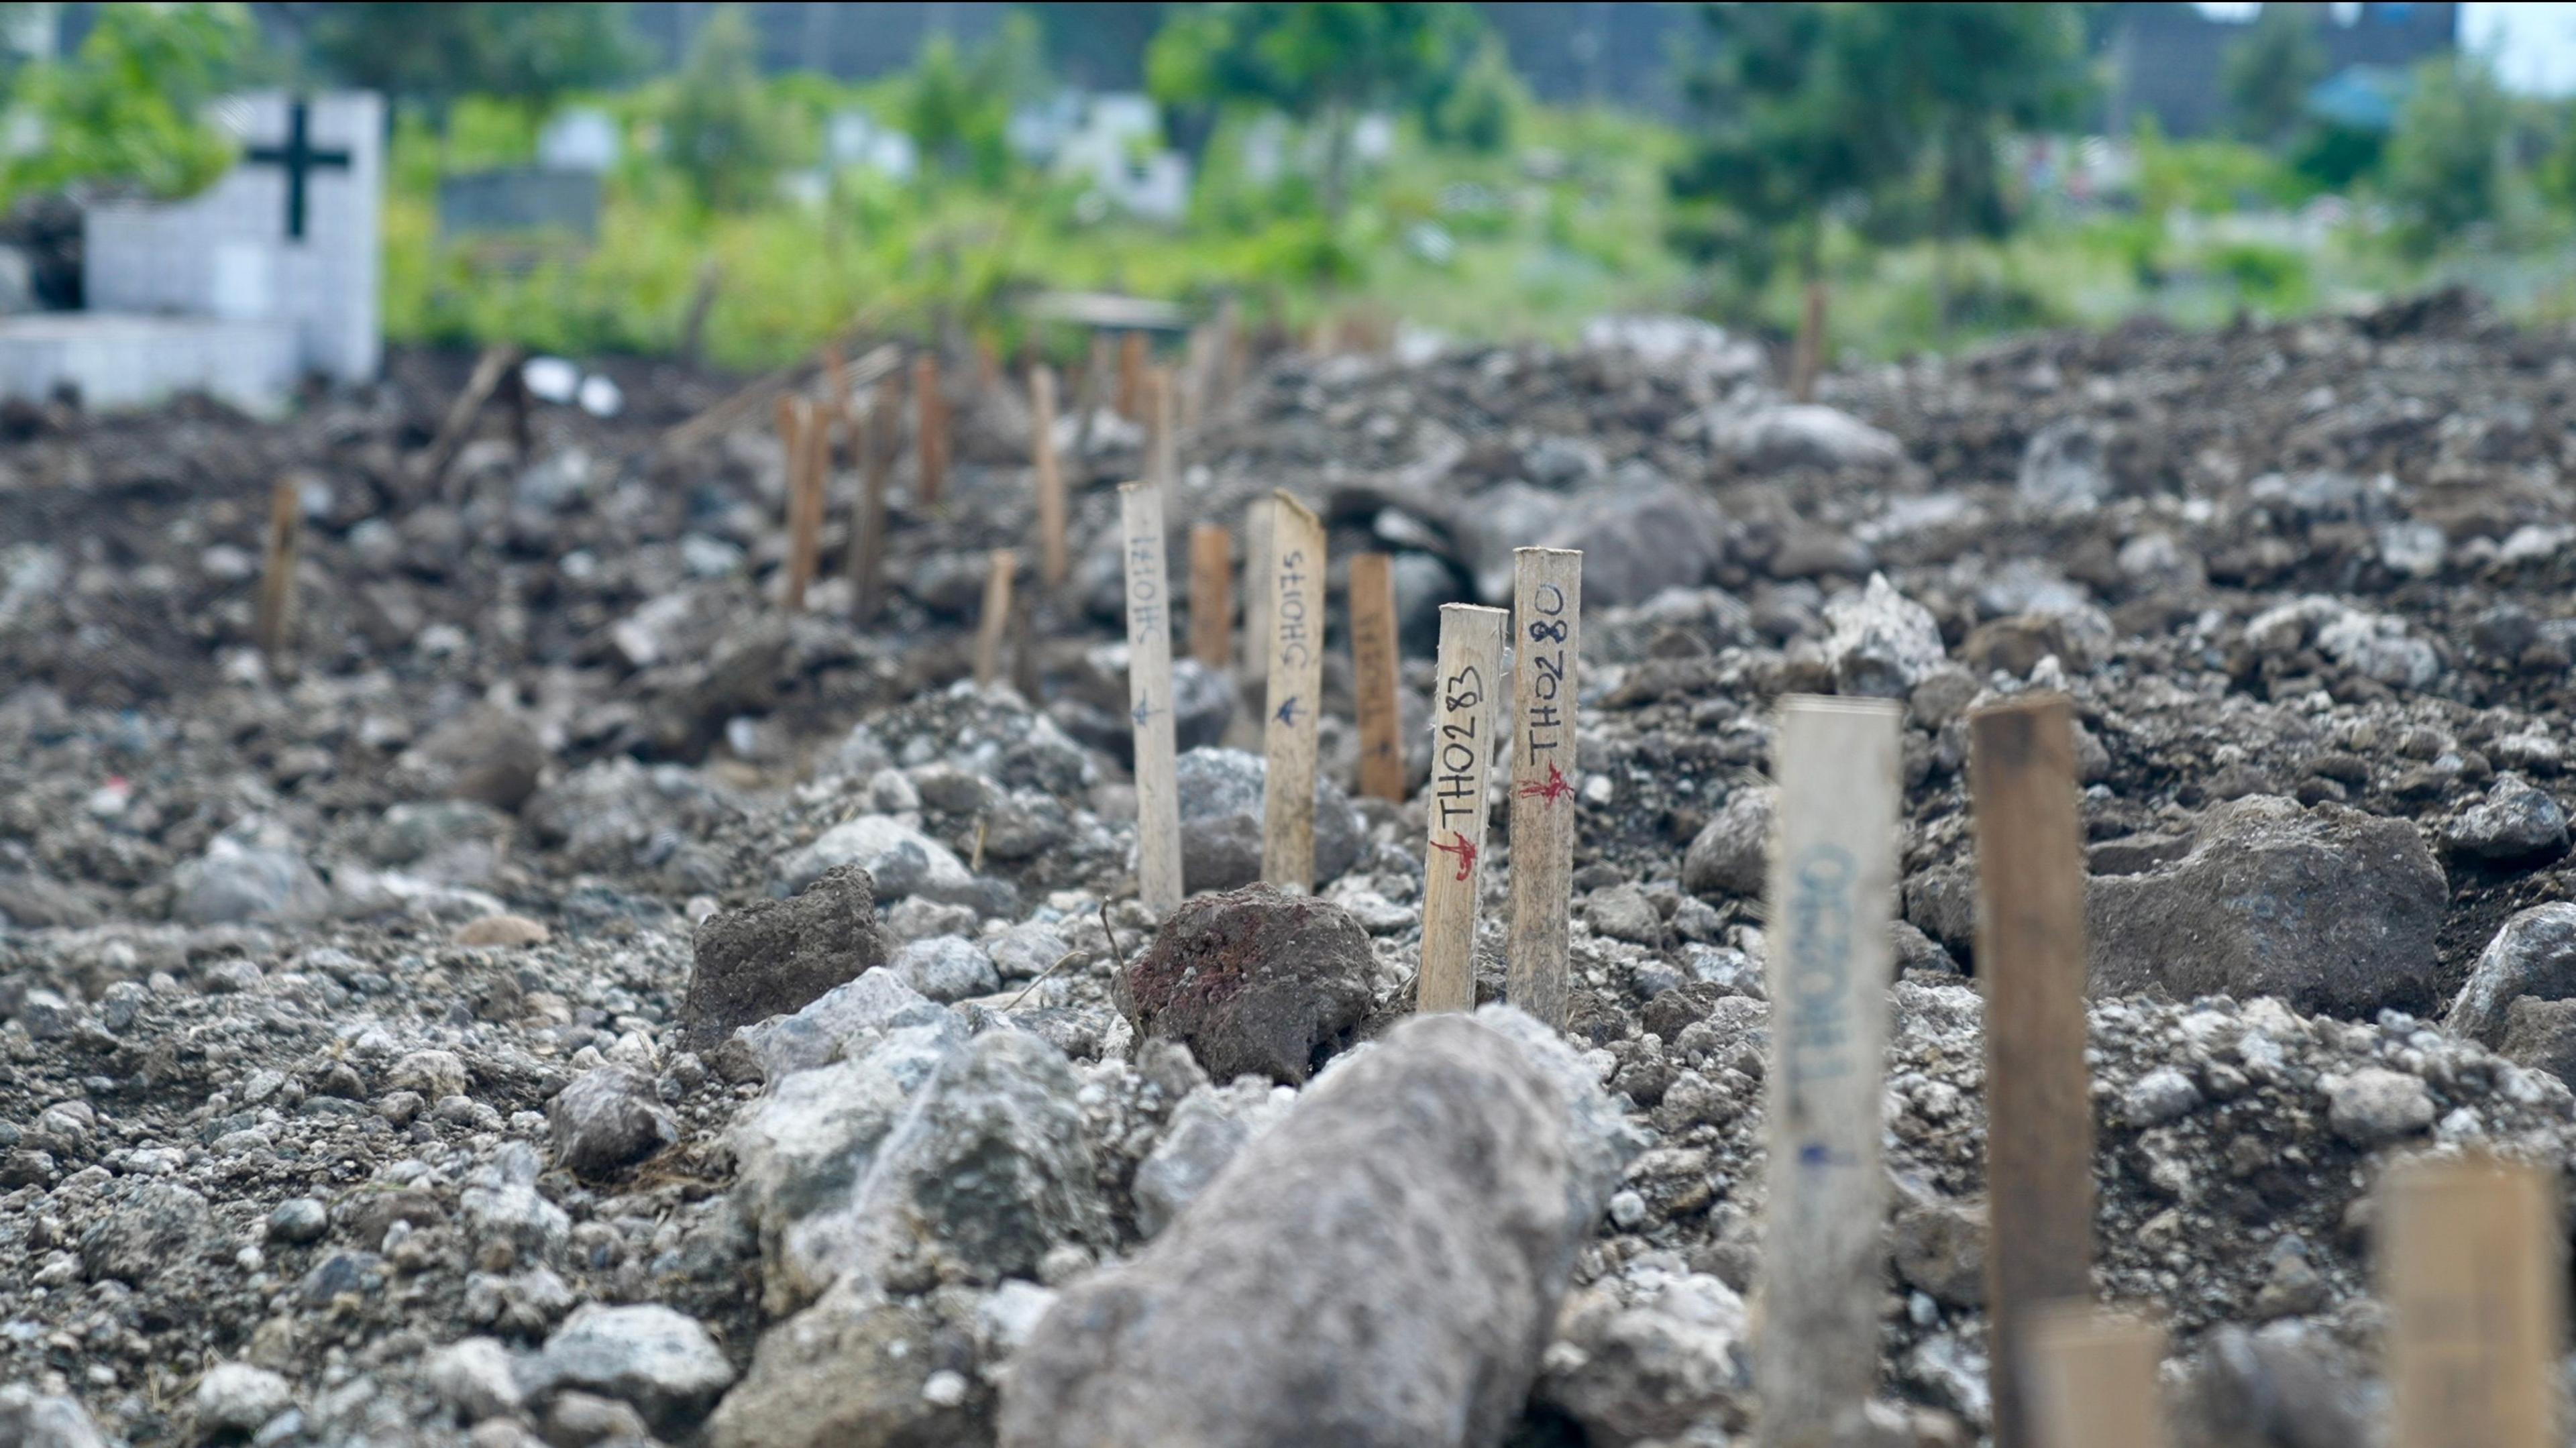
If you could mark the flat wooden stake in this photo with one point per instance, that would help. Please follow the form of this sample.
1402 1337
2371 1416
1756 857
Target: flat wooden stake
930 421
1547 639
1257 590
1054 557
1162 432
807 454
1466 728
1212 595
1149 698
1296 692
2472 1267
2092 1379
875 446
1131 376
489 369
996 622
2031 961
1832 896
1373 675
277 577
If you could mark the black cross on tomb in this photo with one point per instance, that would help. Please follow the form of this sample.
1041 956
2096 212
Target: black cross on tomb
299 158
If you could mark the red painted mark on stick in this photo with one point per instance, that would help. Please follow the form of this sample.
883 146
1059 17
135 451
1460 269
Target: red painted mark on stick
1465 851
1553 790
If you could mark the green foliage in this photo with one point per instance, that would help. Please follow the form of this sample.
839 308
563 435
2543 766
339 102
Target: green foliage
529 55
2270 69
128 109
725 134
2446 162
1477 108
958 107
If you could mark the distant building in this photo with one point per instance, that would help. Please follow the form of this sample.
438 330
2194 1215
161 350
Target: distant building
2168 60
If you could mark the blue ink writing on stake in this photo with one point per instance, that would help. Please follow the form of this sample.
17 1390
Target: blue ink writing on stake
1288 711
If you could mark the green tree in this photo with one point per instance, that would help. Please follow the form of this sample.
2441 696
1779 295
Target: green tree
958 106
724 133
2269 71
1478 107
127 109
430 54
1323 64
2446 168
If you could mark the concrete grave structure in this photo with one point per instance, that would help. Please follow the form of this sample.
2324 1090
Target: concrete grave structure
271 273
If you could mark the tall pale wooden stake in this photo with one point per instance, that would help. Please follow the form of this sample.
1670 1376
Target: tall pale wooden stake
1256 590
807 458
1464 694
1149 698
277 576
1162 432
930 419
1296 692
1373 677
875 448
1547 639
1212 595
2031 960
1831 899
2472 1268
1054 559
996 622
2092 1379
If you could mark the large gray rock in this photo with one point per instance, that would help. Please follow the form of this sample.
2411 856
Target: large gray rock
616 814
152 1228
1205 1131
1253 981
846 1020
2330 909
609 1117
2533 957
858 1371
45 1420
237 1398
2066 465
1730 853
1314 1295
2516 821
645 1354
248 876
1221 821
946 968
487 754
1790 435
1653 1369
1638 541
775 956
899 859
1882 643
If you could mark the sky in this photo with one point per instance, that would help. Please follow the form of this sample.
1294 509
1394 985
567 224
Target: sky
2533 46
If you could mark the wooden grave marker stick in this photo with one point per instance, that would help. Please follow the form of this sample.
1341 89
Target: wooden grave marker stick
1149 697
2091 1379
1257 591
1547 615
276 626
929 423
496 362
1296 691
806 465
1466 728
2472 1268
1212 595
874 444
1831 899
1055 560
1373 675
1094 393
995 625
1162 433
1131 376
2031 961
836 380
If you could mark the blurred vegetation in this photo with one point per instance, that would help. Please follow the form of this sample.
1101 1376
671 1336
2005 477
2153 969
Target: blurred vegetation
1919 161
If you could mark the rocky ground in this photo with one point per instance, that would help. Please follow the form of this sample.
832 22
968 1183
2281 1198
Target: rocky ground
585 1004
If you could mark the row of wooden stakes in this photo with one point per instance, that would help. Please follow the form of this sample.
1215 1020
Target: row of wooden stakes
2469 1246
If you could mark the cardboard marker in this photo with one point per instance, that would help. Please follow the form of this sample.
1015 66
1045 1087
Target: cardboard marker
2031 961
277 577
875 446
806 457
930 419
1296 693
1054 559
2092 1379
1547 615
1467 724
1149 697
1831 898
1212 595
2472 1268
1373 675
996 622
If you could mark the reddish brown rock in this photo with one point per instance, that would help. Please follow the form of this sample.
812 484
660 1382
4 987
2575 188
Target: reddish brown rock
1253 981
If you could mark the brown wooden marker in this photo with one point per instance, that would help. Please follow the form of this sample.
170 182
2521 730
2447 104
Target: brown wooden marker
1131 376
1547 616
1212 595
1054 557
875 446
1466 690
995 625
1257 590
1373 675
930 420
1149 697
806 458
1162 432
2031 961
1296 692
2091 1379
2472 1268
1832 897
277 577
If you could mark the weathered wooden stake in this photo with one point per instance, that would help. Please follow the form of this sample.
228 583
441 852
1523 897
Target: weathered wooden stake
2092 1379
1373 675
1257 590
2472 1268
1807 354
1054 560
1131 376
1162 432
1212 595
1831 898
874 445
930 420
1149 698
277 577
1466 729
808 457
995 625
1296 692
2031 960
1547 615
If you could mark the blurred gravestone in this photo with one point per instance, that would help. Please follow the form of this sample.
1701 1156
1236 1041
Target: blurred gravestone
579 139
268 274
520 202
